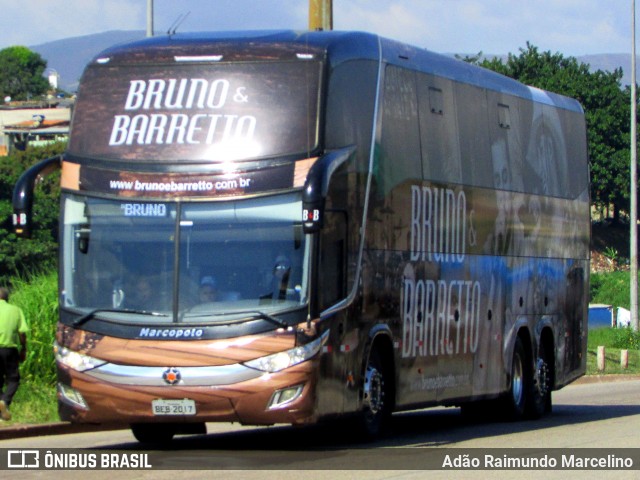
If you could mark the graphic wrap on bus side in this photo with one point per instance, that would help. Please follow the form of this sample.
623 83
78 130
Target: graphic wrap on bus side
468 276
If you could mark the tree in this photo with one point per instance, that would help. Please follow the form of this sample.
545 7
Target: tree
606 107
21 257
21 74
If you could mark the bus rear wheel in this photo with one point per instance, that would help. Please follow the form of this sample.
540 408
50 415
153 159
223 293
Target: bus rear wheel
541 385
518 396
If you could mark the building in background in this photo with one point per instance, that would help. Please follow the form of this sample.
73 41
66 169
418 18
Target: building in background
20 127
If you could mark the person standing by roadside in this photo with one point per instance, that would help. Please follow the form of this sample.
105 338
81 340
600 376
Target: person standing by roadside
13 333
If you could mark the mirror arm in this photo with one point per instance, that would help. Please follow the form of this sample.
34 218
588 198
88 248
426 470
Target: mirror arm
316 187
23 193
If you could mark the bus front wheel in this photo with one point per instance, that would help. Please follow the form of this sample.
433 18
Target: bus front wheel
376 400
155 433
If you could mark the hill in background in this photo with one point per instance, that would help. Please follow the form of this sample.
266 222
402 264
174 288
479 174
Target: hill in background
69 56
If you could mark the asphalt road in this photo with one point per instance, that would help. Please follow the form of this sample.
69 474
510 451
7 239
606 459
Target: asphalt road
588 415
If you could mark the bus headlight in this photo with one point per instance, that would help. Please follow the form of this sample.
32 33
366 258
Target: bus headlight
281 360
75 360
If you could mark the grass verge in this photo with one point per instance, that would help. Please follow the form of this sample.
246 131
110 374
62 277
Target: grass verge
34 403
612 362
35 400
614 340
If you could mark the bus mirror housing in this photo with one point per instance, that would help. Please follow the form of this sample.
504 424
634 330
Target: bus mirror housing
23 194
317 185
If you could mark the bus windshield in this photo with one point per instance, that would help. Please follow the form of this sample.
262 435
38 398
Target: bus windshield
183 262
194 112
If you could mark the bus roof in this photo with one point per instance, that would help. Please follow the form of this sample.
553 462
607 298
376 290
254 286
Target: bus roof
335 46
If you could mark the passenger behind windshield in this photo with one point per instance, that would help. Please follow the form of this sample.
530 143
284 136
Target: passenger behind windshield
207 292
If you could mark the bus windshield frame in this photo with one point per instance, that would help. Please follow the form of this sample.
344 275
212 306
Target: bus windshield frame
145 262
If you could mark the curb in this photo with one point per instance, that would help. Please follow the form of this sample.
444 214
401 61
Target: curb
591 379
64 428
56 428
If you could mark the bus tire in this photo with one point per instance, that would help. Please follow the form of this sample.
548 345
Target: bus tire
376 401
153 433
541 385
519 394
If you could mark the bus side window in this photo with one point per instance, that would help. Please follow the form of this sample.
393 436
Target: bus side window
333 258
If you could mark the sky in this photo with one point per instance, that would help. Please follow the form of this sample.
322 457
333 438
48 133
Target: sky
570 27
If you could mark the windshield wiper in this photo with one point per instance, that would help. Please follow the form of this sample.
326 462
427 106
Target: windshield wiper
268 317
264 315
89 315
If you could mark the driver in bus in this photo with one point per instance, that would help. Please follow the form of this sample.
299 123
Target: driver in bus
142 295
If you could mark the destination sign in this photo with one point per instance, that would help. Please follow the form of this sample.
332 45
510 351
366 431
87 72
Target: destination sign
144 209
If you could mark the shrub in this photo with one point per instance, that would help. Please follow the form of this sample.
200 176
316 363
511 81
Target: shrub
610 288
19 256
626 338
37 295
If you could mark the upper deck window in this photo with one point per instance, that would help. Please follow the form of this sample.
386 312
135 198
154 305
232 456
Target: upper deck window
188 112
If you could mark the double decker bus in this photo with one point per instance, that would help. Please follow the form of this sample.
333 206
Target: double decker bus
288 227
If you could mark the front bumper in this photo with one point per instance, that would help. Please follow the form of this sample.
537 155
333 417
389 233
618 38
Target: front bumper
233 393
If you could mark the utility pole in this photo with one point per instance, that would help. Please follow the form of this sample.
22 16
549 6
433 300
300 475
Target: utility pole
149 18
320 14
634 179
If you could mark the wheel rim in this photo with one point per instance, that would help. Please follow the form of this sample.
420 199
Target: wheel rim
542 378
517 381
373 390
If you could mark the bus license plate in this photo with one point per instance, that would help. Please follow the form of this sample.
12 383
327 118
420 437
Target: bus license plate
173 407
